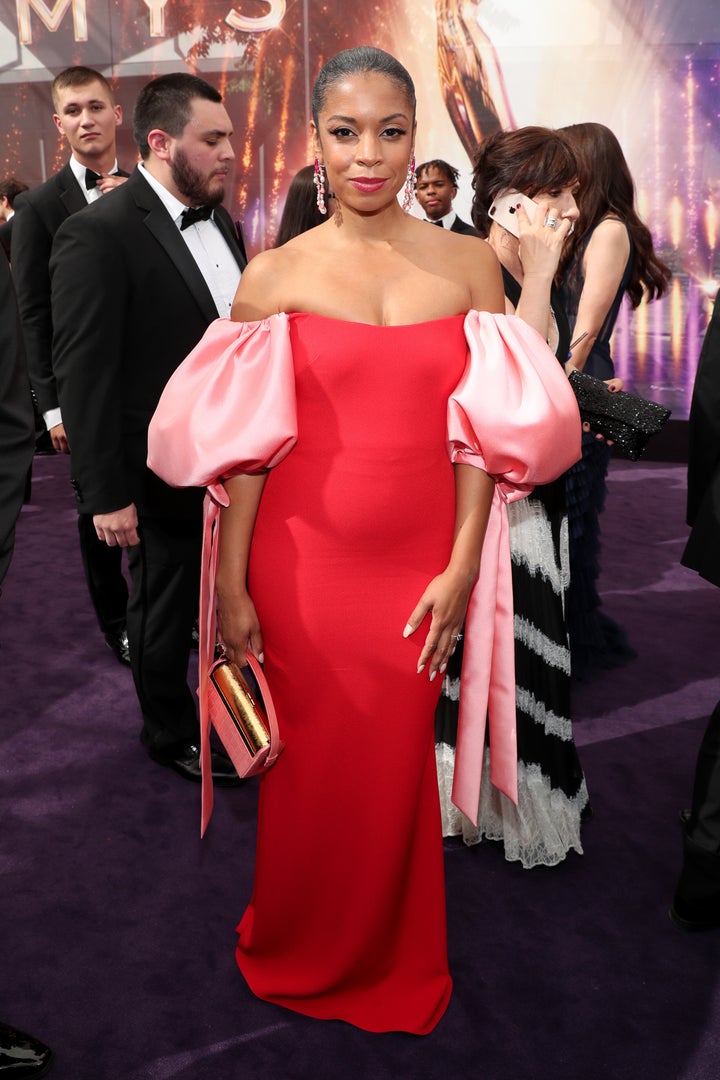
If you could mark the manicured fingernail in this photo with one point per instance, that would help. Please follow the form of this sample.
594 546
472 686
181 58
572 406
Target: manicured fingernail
421 667
261 657
432 675
407 631
442 668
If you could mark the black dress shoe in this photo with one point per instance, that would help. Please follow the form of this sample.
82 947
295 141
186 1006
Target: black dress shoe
21 1056
117 642
187 763
686 919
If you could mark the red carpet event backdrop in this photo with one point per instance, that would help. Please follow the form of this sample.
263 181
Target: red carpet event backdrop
649 69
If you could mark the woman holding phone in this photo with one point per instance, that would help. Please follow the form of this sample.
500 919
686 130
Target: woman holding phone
525 183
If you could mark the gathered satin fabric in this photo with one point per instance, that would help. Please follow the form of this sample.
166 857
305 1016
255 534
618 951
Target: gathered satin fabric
230 409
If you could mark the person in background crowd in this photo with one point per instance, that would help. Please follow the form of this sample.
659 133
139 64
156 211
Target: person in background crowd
437 186
696 903
610 255
135 282
88 117
301 211
552 795
21 1055
9 190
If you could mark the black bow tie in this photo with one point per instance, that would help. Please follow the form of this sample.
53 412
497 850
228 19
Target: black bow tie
194 214
439 224
91 178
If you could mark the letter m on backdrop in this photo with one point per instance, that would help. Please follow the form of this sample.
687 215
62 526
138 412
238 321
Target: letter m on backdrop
51 18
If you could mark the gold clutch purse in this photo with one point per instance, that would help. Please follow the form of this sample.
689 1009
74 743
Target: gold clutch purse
246 726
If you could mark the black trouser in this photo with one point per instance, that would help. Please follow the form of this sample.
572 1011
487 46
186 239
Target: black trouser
699 885
163 605
103 574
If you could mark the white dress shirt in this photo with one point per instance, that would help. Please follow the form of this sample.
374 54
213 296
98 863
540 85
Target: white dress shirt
447 222
91 194
53 417
208 247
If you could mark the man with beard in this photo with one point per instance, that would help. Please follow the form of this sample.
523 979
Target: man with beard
135 283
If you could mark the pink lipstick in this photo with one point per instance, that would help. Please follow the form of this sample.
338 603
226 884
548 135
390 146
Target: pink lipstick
368 184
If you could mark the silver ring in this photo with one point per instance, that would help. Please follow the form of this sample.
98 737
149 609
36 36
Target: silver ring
551 222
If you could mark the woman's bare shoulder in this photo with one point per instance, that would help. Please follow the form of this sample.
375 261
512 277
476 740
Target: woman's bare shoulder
484 274
609 240
260 290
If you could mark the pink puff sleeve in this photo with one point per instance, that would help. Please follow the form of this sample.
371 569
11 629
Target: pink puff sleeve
514 415
228 409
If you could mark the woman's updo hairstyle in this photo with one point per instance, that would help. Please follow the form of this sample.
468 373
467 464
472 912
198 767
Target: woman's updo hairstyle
363 60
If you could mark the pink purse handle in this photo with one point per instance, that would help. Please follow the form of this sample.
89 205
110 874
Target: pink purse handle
275 743
215 498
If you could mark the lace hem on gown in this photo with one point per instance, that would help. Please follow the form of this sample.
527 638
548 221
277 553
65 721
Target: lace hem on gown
539 831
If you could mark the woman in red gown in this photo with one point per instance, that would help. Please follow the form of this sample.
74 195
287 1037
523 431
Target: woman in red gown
348 565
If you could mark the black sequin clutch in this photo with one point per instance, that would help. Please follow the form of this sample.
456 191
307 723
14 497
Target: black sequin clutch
627 420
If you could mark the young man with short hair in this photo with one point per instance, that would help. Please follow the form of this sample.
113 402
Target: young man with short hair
88 117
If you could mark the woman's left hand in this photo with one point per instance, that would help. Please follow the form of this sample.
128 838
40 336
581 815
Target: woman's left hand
446 597
613 386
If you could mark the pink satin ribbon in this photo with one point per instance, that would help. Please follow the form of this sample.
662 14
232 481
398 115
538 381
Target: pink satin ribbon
216 498
487 681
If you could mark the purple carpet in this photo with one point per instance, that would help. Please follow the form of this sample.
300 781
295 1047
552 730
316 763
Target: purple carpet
117 923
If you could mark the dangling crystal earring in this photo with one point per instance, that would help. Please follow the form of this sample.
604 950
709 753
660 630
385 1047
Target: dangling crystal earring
410 183
319 182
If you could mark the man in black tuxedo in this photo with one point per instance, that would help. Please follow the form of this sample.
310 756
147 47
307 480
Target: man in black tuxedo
86 114
21 1055
135 283
17 427
437 186
9 191
696 905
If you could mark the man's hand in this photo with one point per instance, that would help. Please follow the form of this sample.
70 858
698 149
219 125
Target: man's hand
118 528
107 183
59 439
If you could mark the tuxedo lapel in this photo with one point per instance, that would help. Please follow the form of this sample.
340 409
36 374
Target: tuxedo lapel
165 231
69 191
233 236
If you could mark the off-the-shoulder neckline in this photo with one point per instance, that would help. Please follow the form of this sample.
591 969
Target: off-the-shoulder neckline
376 326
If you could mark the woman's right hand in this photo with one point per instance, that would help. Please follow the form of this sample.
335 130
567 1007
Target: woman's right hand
541 246
239 627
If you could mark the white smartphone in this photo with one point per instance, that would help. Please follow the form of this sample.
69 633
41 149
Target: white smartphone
504 210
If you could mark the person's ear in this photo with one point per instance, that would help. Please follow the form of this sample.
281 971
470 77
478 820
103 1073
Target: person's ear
160 143
316 145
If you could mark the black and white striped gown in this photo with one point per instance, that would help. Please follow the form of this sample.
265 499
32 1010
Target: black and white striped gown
552 793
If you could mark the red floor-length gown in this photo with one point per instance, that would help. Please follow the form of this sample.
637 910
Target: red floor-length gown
347 917
354 421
